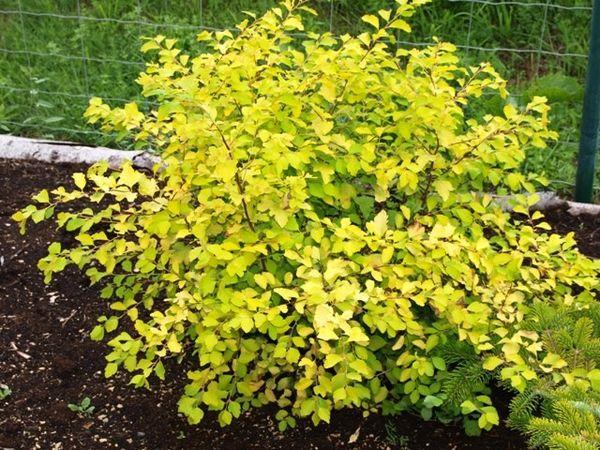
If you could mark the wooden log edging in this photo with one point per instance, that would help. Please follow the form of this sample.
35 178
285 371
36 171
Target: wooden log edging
14 147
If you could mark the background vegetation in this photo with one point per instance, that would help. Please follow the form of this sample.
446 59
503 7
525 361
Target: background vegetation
56 54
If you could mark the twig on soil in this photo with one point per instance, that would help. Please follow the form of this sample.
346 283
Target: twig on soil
64 322
13 283
354 436
5 262
18 352
21 250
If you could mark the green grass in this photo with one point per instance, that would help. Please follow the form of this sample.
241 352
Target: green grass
45 93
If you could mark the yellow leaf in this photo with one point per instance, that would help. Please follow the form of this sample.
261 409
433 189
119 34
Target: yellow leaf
371 20
361 367
328 90
385 14
79 179
378 226
492 362
292 355
327 334
42 197
443 188
286 294
226 170
332 359
387 254
149 45
440 231
110 370
204 36
399 343
173 344
511 348
322 127
357 335
400 24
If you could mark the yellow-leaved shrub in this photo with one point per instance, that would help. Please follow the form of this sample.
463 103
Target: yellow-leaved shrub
320 233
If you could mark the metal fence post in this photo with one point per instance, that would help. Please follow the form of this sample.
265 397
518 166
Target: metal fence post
588 141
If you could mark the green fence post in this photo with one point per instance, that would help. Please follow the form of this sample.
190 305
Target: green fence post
588 140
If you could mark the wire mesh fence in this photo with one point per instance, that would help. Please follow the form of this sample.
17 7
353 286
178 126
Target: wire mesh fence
56 54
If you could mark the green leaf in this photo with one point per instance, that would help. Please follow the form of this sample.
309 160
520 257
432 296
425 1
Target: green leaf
366 205
594 377
159 370
432 401
235 409
472 428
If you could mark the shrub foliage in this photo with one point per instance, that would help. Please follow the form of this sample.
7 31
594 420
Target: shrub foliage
320 234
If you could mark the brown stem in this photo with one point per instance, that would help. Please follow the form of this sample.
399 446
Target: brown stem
244 204
238 181
240 187
428 185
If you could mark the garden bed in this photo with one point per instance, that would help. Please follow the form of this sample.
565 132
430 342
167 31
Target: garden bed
48 361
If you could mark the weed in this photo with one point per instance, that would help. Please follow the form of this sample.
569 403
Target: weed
4 391
393 438
84 408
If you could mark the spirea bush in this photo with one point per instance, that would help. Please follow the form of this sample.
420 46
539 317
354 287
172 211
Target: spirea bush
321 232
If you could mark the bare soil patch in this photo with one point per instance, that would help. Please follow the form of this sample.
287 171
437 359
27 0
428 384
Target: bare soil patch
48 360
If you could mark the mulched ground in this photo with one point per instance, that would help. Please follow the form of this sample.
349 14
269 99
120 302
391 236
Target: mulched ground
48 361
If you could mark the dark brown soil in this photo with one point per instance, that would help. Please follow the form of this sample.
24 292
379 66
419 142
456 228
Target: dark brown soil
585 227
48 361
